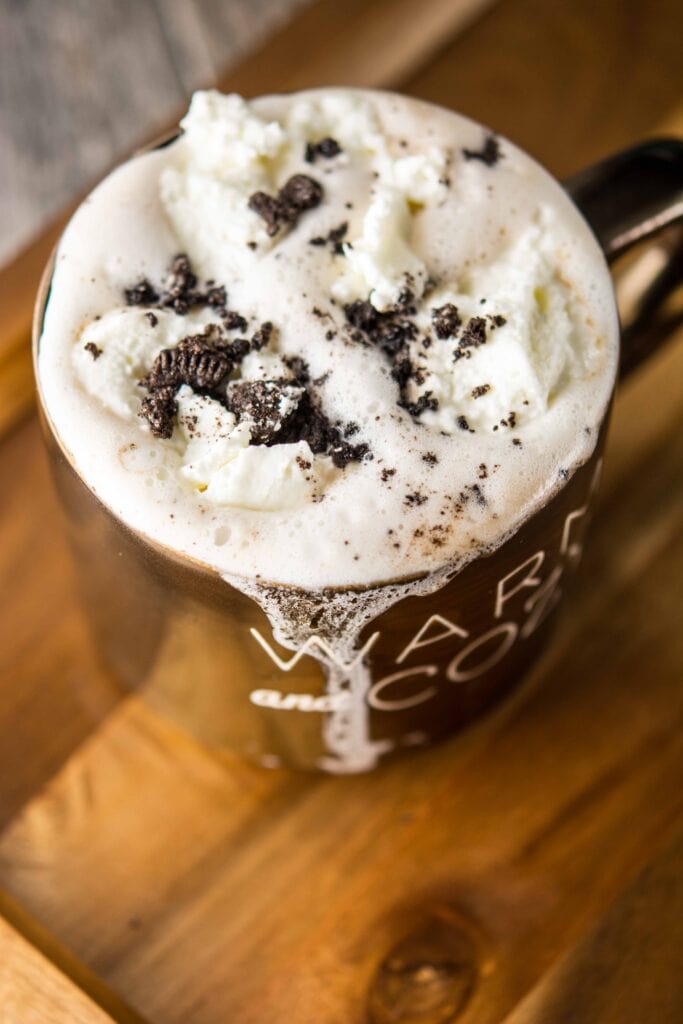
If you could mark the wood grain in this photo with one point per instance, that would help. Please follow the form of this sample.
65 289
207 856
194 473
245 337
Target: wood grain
628 968
526 872
41 980
570 83
34 992
299 887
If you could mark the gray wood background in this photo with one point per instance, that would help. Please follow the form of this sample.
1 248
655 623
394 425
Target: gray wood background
84 81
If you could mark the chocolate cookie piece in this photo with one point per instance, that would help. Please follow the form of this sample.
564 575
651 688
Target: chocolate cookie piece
159 408
233 321
310 424
473 335
390 330
362 315
203 361
326 148
298 194
268 209
94 350
447 320
333 238
267 404
424 402
181 292
343 453
489 154
497 321
262 336
141 294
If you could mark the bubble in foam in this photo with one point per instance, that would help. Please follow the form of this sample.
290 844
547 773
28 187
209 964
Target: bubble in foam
221 535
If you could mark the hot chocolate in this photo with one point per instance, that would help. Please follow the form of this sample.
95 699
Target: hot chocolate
331 346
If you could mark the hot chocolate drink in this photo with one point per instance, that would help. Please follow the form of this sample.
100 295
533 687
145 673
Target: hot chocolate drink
329 348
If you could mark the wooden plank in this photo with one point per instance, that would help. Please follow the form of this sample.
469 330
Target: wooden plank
31 958
160 865
570 83
376 44
459 879
629 967
327 42
33 991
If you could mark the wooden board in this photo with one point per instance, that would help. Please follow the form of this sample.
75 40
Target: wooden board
628 967
33 990
525 872
41 982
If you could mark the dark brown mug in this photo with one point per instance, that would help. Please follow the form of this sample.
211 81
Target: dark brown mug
203 653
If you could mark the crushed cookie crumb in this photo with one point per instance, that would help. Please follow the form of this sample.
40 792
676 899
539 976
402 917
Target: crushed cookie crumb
477 494
415 499
262 336
159 408
391 331
334 238
141 294
446 320
94 350
181 293
260 402
326 148
489 154
298 194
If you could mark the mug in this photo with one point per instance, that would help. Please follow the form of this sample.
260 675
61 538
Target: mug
203 653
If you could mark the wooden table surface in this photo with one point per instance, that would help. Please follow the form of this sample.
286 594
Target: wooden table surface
528 872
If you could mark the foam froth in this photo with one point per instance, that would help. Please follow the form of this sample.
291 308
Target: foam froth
456 429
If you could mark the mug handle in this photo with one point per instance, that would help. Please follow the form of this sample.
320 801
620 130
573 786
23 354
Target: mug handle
626 199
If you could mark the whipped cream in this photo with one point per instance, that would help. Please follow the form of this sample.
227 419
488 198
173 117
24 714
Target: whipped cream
489 421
